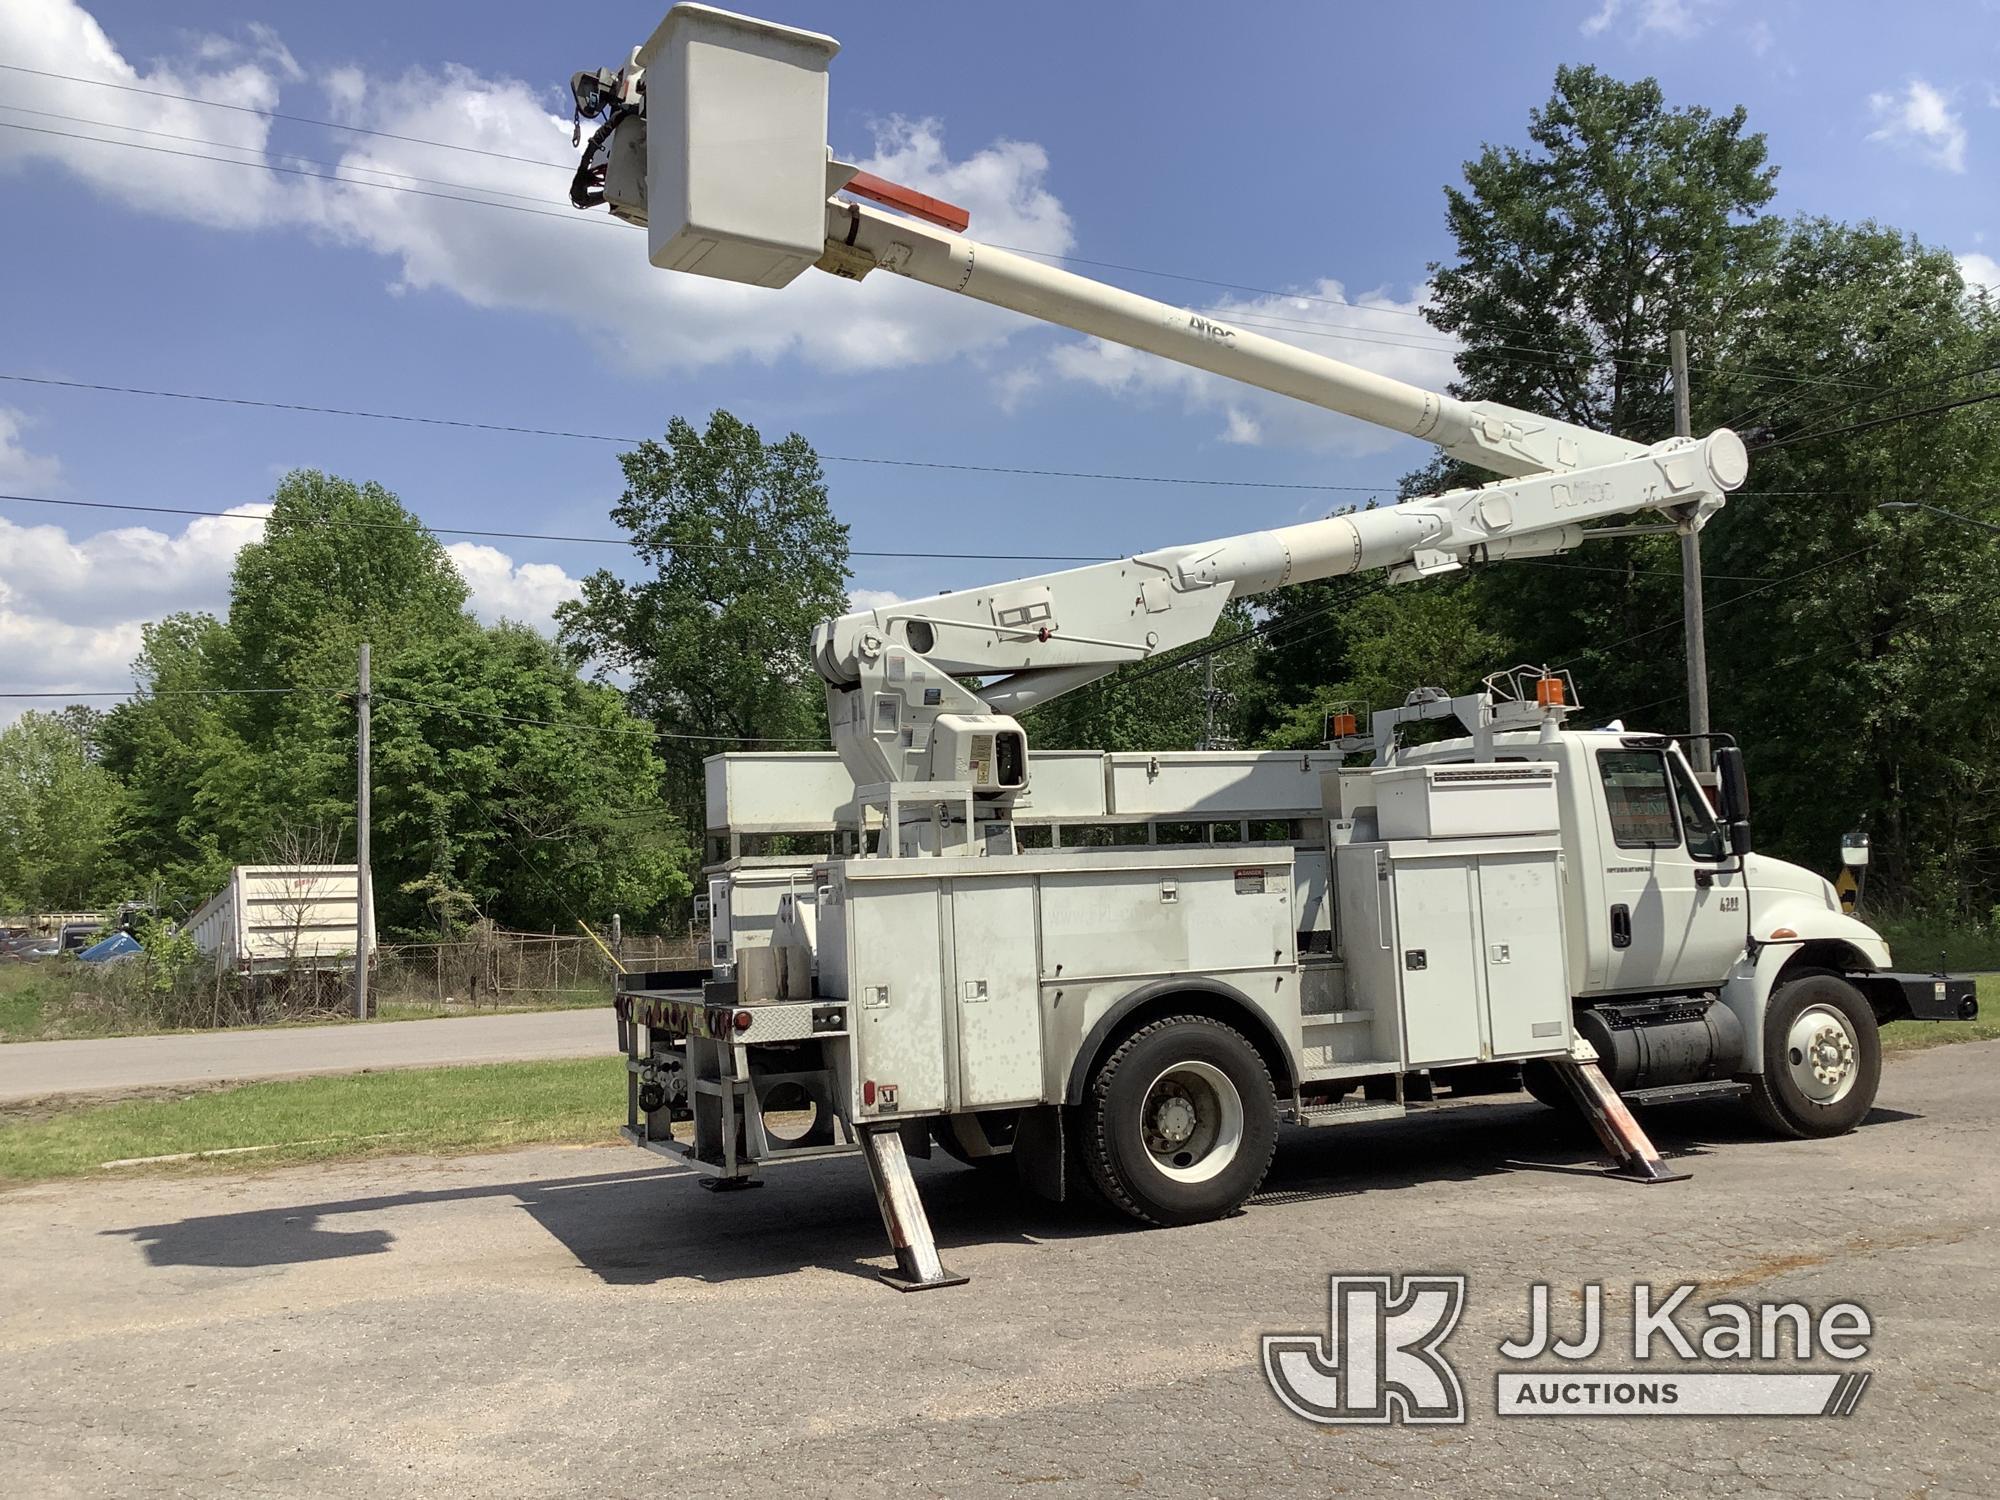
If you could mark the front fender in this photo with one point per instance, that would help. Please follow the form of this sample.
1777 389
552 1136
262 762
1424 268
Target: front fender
1794 928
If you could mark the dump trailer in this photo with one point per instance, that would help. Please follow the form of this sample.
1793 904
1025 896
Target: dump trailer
1528 894
272 919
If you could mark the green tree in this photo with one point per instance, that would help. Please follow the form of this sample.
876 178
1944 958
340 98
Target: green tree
1425 635
742 559
58 807
1148 707
1863 675
1622 219
503 783
339 563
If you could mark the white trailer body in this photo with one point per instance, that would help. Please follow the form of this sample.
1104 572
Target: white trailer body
278 918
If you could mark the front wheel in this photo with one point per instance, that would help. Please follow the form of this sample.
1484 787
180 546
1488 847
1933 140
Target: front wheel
1822 1058
1181 1122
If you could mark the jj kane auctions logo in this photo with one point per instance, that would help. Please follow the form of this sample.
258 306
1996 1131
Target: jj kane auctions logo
1382 1358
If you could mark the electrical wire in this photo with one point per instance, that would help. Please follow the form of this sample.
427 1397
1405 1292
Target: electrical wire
1873 422
543 536
1723 604
265 166
334 166
1322 328
601 437
271 114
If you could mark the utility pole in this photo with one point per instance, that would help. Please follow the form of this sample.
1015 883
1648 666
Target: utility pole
1208 702
364 896
1691 602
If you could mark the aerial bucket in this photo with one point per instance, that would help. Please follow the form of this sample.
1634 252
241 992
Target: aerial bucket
736 171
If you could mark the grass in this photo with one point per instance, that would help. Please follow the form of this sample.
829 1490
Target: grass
426 1110
20 1004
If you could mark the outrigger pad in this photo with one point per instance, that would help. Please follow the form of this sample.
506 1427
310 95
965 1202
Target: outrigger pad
918 1268
1624 1139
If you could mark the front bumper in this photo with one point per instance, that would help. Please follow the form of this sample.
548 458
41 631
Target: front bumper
1920 997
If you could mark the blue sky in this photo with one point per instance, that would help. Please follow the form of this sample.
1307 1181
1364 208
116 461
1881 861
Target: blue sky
1294 147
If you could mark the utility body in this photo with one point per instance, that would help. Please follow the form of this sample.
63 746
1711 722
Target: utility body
1127 970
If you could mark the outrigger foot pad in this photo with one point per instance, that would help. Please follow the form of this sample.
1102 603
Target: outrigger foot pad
918 1268
728 1184
1625 1140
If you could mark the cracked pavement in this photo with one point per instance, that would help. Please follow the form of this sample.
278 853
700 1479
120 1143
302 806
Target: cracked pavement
560 1322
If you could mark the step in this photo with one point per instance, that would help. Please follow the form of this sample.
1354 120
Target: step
1348 1112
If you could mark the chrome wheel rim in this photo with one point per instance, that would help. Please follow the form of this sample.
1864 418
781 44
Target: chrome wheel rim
1822 1054
1192 1121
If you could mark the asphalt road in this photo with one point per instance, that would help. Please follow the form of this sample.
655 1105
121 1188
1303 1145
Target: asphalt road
584 1322
33 1070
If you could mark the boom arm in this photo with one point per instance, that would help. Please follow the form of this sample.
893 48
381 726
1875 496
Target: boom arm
737 183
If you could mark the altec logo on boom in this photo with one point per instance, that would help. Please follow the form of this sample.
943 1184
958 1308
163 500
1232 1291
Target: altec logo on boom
1382 1359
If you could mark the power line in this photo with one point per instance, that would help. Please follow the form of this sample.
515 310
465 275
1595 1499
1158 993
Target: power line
265 166
1736 598
1874 422
334 166
1310 328
271 114
543 536
602 437
139 692
636 726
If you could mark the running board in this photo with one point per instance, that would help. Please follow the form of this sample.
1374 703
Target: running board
1684 1093
1626 1142
918 1268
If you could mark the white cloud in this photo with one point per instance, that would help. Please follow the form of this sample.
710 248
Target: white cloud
502 589
859 599
19 468
1760 38
1980 271
1375 332
585 269
60 36
1920 118
1678 19
71 609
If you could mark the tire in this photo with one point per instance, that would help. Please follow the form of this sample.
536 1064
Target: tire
1180 1122
1540 1080
1822 1058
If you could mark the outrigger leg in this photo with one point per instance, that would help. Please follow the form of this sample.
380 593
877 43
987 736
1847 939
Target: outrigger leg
1623 1137
918 1268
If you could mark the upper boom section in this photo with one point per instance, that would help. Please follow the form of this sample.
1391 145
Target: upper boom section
716 140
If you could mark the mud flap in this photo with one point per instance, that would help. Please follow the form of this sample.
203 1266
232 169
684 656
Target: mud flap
1041 1157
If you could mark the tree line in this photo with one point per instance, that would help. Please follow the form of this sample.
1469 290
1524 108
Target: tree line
1855 651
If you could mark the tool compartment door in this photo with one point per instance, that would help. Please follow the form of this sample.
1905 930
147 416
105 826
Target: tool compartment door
1527 983
1437 934
998 1005
895 992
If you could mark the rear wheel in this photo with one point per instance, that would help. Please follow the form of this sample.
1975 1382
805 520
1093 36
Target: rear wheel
1180 1122
1822 1058
1539 1079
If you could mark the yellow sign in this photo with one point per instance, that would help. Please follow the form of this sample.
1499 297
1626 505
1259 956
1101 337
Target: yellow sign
1850 891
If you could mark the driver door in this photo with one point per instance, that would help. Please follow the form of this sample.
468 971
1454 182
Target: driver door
1671 908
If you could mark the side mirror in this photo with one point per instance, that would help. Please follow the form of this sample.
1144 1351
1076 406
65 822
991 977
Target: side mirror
1735 786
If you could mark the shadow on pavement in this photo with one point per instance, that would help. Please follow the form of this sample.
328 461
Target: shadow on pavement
652 1224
